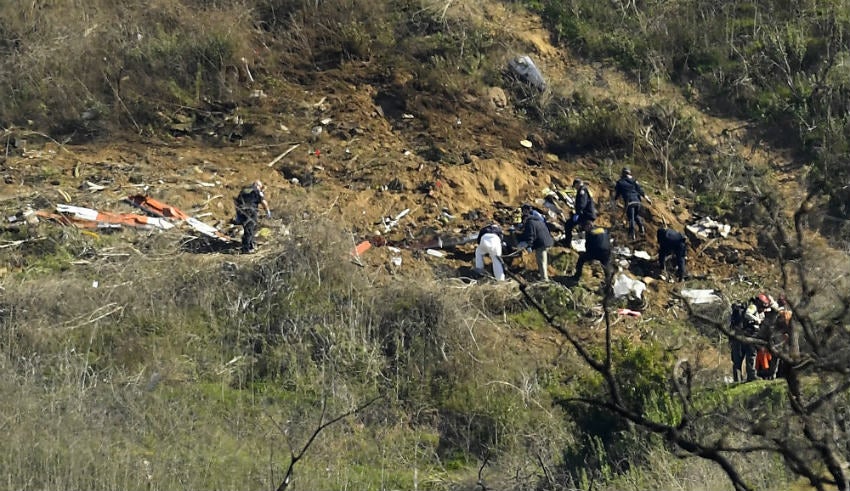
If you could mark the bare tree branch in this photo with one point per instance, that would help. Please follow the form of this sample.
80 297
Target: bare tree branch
295 457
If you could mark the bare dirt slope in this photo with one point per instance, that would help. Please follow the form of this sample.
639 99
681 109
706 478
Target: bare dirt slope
355 153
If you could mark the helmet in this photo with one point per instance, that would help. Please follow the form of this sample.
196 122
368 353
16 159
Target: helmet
626 171
763 300
577 183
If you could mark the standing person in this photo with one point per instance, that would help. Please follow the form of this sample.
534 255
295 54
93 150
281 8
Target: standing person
535 234
789 339
631 192
750 324
490 244
672 243
584 211
597 248
785 327
248 202
737 346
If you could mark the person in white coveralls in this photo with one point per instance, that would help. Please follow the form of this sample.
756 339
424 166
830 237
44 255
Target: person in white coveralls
490 244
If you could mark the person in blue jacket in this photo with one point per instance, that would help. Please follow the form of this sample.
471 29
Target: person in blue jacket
535 235
597 248
629 189
584 211
672 243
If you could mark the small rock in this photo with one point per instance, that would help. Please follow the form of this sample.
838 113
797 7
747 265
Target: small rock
497 97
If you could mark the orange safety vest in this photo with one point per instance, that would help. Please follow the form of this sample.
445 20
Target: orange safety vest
763 358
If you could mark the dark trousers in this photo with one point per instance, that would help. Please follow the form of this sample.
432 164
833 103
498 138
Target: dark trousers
603 256
249 229
570 225
772 369
743 353
678 252
633 214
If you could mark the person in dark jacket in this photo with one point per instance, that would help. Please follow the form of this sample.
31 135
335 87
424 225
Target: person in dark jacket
584 211
535 235
597 248
631 192
749 325
248 202
490 244
672 243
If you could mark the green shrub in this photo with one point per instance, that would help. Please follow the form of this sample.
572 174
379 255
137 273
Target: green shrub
605 443
583 123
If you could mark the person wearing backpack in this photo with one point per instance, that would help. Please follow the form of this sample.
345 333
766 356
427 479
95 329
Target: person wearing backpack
584 212
631 192
248 202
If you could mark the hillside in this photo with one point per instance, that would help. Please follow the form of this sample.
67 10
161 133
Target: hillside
210 359
381 147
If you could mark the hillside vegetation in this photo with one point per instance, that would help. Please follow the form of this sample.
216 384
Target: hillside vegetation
156 360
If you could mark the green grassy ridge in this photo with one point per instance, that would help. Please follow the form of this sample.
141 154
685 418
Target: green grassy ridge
200 382
183 377
201 389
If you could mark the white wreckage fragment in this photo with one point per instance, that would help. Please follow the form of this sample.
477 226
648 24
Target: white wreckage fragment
154 207
706 228
628 253
526 71
389 223
624 286
700 296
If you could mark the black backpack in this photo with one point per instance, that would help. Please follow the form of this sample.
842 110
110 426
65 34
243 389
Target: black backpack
244 196
592 214
736 320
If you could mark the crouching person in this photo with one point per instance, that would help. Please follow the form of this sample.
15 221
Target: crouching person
672 243
597 248
535 235
490 244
